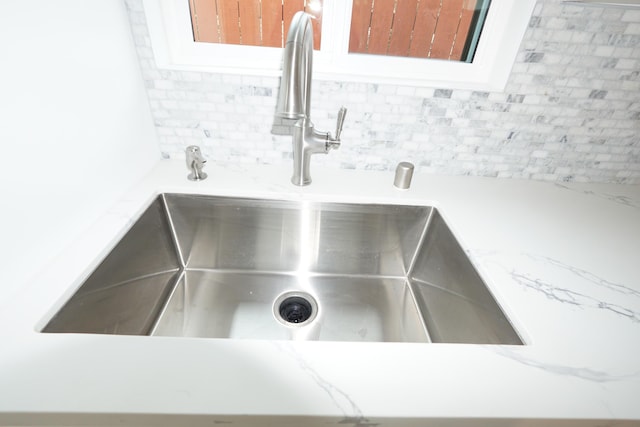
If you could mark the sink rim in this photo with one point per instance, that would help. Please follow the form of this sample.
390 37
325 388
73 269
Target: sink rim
318 204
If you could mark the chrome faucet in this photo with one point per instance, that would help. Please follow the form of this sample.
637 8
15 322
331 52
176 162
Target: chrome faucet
195 163
294 101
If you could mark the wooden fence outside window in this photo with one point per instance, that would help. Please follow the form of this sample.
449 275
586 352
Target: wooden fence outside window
438 29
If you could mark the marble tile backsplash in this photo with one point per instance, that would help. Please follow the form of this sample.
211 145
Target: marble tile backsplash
570 111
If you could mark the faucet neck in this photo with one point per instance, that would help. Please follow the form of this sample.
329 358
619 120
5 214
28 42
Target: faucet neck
294 101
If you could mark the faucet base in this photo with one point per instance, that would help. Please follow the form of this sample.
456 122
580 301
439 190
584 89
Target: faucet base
299 181
196 177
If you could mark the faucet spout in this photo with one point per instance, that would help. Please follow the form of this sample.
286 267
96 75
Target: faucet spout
294 100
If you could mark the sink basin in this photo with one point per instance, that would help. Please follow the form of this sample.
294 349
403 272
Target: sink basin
220 267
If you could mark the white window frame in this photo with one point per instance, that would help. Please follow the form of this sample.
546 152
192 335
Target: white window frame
169 23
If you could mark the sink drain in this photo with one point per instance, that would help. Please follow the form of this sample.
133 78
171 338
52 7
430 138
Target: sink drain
295 308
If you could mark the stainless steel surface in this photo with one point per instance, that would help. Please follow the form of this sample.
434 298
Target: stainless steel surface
294 99
195 163
280 236
126 291
456 303
342 114
404 173
218 267
240 305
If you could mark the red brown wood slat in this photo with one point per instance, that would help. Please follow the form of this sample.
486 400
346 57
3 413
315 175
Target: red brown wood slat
360 19
468 9
229 22
272 23
203 21
403 21
381 19
424 28
416 28
446 29
249 21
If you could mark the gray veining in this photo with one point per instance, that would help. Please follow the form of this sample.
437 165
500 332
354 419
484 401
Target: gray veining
615 198
585 373
341 399
579 287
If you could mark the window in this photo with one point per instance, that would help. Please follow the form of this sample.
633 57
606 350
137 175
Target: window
410 28
482 62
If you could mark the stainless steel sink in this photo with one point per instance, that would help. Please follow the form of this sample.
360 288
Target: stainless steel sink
219 267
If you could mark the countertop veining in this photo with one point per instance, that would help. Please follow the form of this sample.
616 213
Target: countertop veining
560 258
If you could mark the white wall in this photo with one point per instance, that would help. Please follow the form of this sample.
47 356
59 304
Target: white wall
75 126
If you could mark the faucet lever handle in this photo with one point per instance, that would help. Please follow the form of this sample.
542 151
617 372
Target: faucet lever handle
341 115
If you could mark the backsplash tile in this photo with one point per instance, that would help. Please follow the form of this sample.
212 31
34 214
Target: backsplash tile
570 111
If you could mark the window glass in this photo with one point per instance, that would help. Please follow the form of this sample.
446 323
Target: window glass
250 22
436 29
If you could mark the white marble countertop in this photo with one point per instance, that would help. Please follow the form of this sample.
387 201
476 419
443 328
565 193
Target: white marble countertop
563 260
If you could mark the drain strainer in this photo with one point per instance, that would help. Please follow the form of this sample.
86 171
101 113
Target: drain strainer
295 308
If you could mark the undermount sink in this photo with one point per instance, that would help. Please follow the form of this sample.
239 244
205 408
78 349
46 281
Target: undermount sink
219 267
